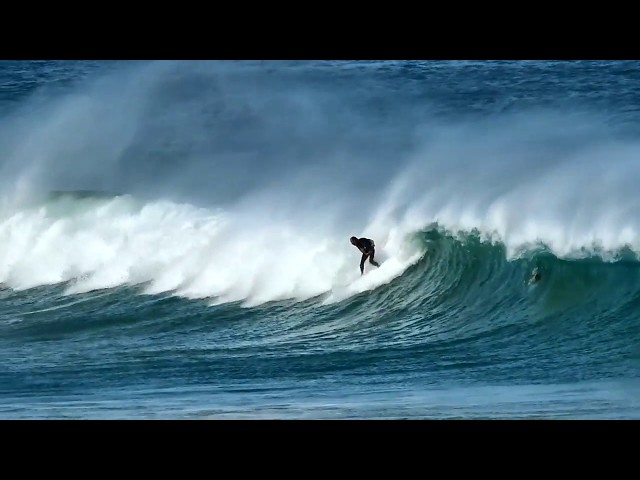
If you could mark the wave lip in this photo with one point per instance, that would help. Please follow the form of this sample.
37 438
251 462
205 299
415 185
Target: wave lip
97 240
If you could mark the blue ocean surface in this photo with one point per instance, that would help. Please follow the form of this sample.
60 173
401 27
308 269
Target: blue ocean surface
174 239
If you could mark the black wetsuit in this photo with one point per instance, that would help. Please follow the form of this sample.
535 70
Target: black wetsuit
368 249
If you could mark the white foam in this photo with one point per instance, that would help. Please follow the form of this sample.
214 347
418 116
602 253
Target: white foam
193 252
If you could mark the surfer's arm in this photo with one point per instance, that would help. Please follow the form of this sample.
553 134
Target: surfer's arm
364 257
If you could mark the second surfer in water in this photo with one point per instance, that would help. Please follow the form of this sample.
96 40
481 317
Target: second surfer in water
368 249
535 276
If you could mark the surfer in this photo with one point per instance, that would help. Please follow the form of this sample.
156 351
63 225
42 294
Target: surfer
368 249
535 276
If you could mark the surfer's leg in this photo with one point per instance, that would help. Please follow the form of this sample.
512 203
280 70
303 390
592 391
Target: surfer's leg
371 260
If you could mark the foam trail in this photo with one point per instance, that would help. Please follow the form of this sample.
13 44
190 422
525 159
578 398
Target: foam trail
194 252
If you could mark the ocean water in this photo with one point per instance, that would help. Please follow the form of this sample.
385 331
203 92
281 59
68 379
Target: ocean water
174 239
